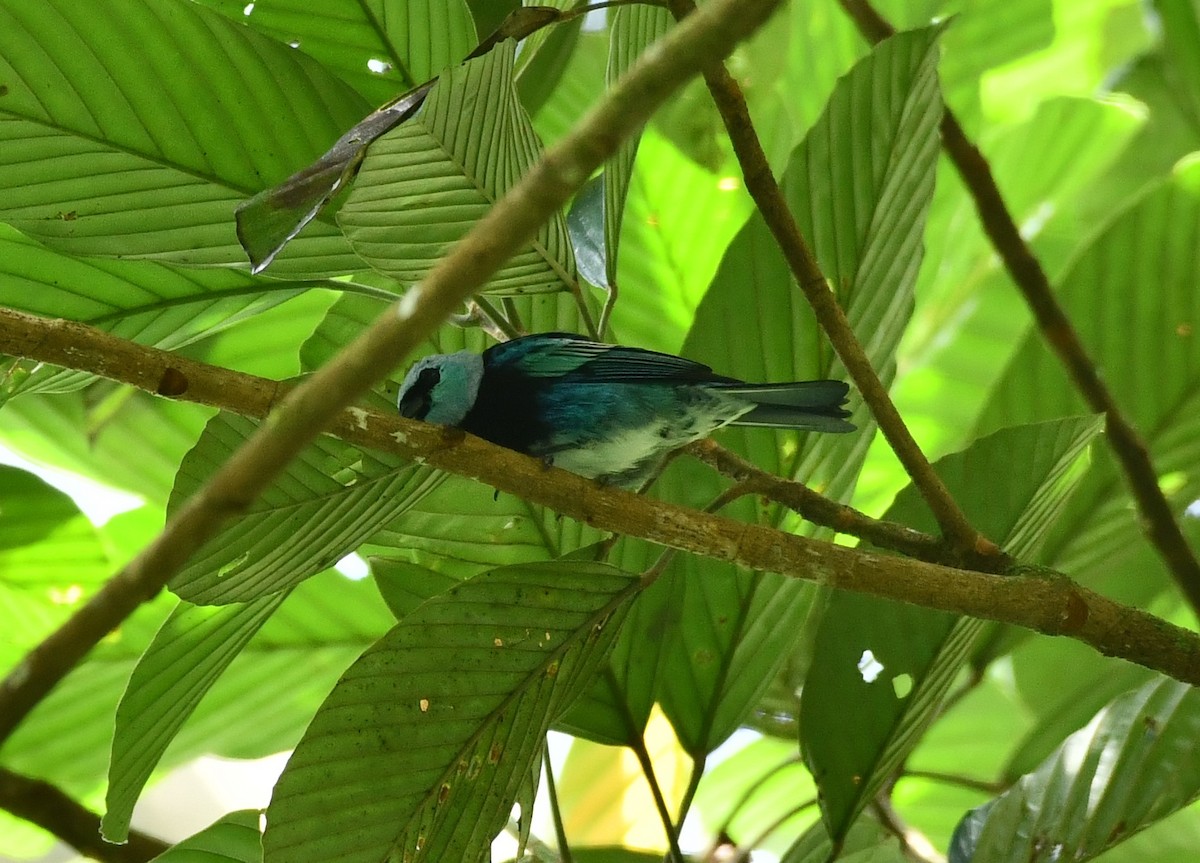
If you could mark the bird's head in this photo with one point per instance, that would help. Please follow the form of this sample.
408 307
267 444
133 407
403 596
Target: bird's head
442 388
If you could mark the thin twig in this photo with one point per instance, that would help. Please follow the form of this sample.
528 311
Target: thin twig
560 830
55 812
637 743
319 401
915 844
1158 520
819 509
744 849
761 185
955 779
497 317
757 786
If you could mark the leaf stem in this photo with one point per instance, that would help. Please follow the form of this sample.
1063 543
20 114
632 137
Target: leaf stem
638 744
560 832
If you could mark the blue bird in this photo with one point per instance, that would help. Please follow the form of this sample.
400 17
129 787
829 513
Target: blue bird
602 411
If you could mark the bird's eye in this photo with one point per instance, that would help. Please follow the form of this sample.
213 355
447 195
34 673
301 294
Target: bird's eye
418 399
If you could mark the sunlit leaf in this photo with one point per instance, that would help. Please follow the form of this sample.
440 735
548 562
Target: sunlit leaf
379 47
1132 765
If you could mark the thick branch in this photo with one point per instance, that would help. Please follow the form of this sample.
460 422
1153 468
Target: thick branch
312 406
49 808
760 182
1046 602
1131 451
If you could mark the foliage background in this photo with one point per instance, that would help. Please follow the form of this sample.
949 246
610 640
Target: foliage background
117 187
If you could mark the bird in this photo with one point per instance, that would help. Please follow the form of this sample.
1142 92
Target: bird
606 412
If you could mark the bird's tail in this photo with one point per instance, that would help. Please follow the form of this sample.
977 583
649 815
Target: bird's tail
811 405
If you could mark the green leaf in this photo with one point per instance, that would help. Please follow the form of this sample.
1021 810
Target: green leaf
633 28
969 325
423 184
51 560
678 221
887 665
133 128
379 47
738 628
233 838
192 649
216 666
327 502
410 755
141 301
1134 764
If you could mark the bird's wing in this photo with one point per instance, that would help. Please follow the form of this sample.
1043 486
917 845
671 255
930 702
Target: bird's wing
560 354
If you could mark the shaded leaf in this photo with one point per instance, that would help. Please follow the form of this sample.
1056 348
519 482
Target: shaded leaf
133 128
192 649
327 502
328 620
410 755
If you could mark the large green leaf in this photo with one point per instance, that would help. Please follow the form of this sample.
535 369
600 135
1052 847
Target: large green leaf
633 28
329 500
142 301
422 747
1134 764
862 208
196 645
425 182
1127 329
380 47
134 127
880 668
678 221
192 649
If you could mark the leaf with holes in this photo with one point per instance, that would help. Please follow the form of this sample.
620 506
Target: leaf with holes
421 749
881 668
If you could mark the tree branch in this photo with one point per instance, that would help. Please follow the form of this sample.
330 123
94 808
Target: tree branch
312 406
1160 523
761 185
49 808
1044 601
